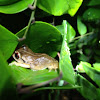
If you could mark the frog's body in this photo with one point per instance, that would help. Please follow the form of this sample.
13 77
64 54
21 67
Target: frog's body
25 57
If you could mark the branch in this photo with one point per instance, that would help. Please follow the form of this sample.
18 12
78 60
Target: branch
32 18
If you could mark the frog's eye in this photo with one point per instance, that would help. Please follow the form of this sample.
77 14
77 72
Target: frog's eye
17 55
24 46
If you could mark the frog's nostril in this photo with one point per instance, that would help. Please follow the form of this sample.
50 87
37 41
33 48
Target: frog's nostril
16 55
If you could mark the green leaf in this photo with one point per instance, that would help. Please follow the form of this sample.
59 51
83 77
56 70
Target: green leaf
96 66
42 37
8 42
70 31
82 29
97 52
92 14
83 57
88 90
92 73
94 3
15 6
7 88
4 73
65 60
59 7
97 58
29 77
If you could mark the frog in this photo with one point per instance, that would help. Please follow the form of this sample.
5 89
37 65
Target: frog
25 57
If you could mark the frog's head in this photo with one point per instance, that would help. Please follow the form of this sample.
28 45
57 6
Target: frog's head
17 56
20 53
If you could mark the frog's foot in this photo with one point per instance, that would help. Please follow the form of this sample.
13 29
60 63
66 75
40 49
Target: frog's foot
50 69
20 64
55 70
13 63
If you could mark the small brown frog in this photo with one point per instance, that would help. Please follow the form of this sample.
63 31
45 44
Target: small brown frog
26 58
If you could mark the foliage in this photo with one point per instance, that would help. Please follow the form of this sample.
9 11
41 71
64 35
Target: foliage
73 31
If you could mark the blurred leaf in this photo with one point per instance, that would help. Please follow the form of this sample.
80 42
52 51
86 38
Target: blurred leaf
59 7
87 51
29 77
82 29
92 73
70 31
4 73
98 97
88 90
14 6
97 52
83 57
92 14
96 66
8 42
97 58
65 60
94 3
42 37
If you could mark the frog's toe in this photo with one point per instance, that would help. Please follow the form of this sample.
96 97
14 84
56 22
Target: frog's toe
55 70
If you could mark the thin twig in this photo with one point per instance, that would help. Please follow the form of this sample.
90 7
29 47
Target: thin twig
31 18
32 7
81 36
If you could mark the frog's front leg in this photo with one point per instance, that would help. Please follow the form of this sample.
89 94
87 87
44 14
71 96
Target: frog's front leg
20 64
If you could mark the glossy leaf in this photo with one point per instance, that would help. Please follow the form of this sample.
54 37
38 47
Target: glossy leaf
70 31
4 73
92 73
42 37
59 7
82 29
92 14
87 90
8 42
14 6
6 2
96 66
29 77
65 60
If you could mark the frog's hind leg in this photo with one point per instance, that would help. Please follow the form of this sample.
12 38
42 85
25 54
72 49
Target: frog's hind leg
36 68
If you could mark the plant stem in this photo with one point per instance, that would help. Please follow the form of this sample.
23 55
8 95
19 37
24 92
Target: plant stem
30 20
81 36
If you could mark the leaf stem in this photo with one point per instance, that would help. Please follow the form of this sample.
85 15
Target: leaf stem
32 18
